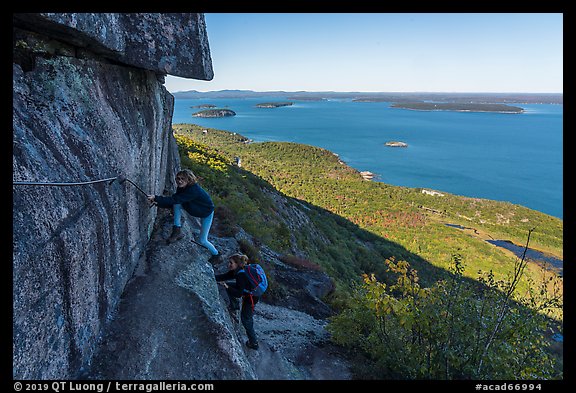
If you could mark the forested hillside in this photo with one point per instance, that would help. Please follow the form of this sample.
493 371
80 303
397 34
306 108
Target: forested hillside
381 242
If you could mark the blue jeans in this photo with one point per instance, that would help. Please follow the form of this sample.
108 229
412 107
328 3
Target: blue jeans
247 311
205 224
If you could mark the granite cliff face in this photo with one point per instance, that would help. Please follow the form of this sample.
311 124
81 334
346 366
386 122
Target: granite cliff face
97 293
88 103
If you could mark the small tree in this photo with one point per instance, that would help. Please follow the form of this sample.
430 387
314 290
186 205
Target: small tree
456 329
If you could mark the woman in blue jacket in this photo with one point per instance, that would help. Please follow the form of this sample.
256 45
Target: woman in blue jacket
238 289
196 202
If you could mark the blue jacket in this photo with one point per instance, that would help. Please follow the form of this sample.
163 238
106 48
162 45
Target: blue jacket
242 282
193 198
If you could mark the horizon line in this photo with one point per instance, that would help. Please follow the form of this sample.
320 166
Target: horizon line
364 92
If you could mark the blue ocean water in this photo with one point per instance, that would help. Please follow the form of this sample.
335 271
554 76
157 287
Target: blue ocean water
506 157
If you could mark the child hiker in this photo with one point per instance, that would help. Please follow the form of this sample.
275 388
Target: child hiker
196 202
235 291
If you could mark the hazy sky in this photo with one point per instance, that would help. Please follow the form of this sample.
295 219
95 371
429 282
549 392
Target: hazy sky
388 52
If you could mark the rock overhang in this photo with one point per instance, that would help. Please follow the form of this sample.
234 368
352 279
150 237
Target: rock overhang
165 43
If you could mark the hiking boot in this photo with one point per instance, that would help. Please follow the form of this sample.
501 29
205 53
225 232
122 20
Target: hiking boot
215 259
176 235
252 345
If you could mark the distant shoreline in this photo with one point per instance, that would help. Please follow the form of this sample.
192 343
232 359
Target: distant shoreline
468 98
458 107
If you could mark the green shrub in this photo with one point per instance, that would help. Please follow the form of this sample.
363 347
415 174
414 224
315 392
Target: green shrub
456 329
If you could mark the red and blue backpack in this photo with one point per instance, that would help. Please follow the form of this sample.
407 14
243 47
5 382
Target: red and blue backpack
257 278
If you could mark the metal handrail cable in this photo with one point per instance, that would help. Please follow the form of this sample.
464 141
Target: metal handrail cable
34 183
121 179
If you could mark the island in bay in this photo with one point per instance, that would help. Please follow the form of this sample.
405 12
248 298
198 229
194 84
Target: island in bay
459 107
214 113
396 144
273 104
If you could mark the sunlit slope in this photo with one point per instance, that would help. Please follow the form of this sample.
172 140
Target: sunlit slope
405 216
